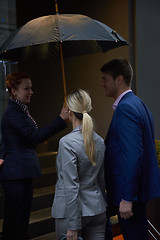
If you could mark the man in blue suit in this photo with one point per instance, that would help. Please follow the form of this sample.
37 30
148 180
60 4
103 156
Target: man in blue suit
131 170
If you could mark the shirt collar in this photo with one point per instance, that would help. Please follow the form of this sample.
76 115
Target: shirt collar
119 98
79 127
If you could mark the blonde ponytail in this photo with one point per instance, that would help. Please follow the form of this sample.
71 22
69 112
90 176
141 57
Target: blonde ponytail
87 133
79 102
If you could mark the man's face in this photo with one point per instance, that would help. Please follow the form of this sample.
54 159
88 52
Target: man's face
110 85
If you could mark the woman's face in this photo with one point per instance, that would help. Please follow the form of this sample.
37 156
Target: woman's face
24 91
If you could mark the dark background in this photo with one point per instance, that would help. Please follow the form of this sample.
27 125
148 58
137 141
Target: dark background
28 10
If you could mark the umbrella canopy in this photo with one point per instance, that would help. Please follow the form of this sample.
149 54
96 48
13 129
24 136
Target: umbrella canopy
79 34
62 35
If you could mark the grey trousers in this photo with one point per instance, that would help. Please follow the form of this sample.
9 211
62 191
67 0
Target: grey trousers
93 227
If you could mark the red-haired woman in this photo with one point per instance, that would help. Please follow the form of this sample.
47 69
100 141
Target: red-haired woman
20 135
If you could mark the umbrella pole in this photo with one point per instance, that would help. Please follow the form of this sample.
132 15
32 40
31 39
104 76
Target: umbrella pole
63 74
56 6
62 62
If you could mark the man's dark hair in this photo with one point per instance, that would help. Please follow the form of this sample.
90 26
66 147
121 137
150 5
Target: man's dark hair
118 67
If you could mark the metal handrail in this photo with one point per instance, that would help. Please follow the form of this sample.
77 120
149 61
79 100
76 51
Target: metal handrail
154 230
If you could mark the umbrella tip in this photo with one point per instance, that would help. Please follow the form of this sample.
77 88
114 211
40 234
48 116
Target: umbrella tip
118 38
116 35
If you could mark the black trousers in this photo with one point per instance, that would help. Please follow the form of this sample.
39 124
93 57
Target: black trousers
133 228
18 195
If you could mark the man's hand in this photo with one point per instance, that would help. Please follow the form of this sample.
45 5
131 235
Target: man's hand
72 235
125 209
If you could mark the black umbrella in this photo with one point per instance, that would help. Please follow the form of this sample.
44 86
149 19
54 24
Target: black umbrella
64 35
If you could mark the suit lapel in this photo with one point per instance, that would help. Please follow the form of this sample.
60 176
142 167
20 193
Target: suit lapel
109 130
110 127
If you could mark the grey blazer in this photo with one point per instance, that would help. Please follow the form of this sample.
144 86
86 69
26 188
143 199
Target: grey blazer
80 186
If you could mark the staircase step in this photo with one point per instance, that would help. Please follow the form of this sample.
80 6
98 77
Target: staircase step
41 222
47 178
42 147
43 197
48 145
43 190
47 159
48 170
39 192
40 215
50 236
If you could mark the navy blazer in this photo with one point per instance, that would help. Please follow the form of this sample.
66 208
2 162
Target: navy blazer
19 138
131 168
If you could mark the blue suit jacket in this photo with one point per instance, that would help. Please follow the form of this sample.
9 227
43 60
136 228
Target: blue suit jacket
131 168
19 138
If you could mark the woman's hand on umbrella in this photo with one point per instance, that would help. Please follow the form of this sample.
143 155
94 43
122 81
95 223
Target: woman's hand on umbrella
72 235
64 113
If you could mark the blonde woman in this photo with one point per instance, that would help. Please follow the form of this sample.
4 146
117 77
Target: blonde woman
79 206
